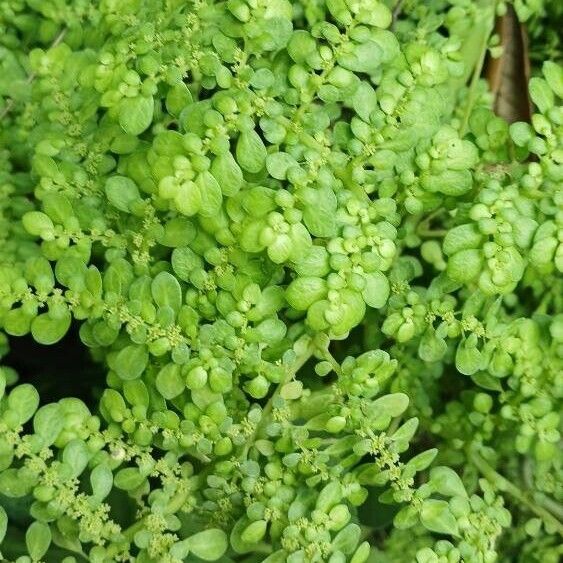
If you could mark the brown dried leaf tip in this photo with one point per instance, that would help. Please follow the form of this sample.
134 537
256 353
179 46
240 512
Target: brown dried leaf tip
508 74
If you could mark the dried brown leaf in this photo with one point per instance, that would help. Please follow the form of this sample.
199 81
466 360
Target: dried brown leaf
508 74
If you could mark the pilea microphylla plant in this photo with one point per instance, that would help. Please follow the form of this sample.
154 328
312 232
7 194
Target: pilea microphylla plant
279 282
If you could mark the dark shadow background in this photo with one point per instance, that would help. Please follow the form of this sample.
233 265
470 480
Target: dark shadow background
64 369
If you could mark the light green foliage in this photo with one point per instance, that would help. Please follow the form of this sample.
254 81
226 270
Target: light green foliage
321 278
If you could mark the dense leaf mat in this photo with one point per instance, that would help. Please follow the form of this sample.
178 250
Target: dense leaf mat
281 281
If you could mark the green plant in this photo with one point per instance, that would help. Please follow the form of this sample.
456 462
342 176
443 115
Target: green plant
321 277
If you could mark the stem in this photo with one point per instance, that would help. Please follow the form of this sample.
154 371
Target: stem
505 485
326 355
473 87
549 504
397 12
11 102
130 532
479 64
429 233
290 374
346 176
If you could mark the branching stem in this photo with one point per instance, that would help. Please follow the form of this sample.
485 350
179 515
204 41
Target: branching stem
11 102
505 485
289 375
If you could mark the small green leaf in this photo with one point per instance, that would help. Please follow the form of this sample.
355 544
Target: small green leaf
70 271
279 556
17 322
406 517
131 361
38 540
169 381
468 358
330 495
302 292
76 455
362 553
465 265
235 537
347 539
101 480
364 100
178 98
422 460
365 57
553 73
393 404
23 400
432 348
211 195
378 15
541 94
57 206
128 478
39 224
12 485
250 151
208 545
450 182
166 291
278 163
437 517
447 482
271 331
136 393
122 192
135 114
301 45
112 405
319 212
280 249
185 261
462 237
376 290
179 231
188 198
292 390
406 431
227 172
521 133
254 532
48 330
48 423
262 78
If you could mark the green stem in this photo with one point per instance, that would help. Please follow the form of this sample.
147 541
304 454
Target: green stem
429 233
487 19
505 485
290 374
549 504
472 94
326 355
397 9
11 102
130 532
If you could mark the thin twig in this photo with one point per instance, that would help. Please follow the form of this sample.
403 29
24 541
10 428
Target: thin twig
505 485
11 102
291 372
472 94
478 70
397 12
